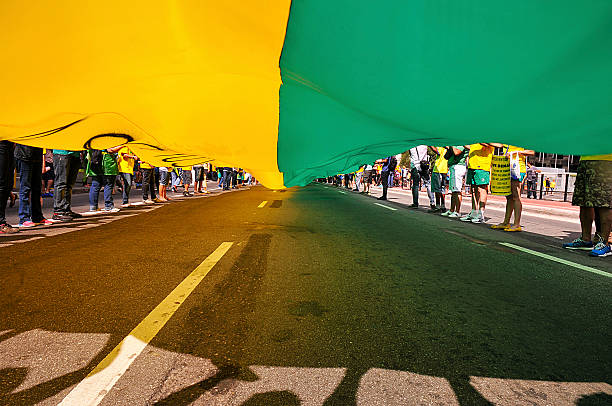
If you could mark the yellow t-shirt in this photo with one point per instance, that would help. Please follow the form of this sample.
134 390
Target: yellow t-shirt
441 164
186 168
126 165
522 158
604 157
145 165
480 157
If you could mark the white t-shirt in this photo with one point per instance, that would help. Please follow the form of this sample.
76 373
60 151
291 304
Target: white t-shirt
417 154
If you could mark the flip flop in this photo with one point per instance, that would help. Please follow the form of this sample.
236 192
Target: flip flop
500 226
513 229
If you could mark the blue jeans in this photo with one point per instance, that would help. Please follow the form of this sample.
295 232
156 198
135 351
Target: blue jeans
94 191
417 176
126 179
227 177
66 169
30 183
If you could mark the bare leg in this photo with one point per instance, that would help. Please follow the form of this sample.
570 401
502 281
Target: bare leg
518 205
586 222
605 216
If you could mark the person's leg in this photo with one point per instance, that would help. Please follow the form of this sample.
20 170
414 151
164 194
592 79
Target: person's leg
60 164
416 180
127 187
146 181
516 201
605 216
94 192
152 185
74 164
385 184
427 184
6 164
35 194
109 183
587 215
25 187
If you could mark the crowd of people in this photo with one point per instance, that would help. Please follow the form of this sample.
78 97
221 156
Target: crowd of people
447 170
53 173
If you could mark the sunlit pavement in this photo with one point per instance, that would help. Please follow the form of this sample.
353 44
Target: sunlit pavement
317 297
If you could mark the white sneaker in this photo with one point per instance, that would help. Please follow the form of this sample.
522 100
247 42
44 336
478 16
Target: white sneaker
479 218
125 205
447 213
454 215
149 201
470 216
113 210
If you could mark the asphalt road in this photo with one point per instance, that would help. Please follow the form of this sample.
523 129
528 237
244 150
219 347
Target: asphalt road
323 298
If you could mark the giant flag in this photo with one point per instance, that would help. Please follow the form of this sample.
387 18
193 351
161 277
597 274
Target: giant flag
292 90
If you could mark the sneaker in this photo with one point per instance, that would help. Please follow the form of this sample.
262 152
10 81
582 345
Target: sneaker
27 224
382 198
446 213
479 218
61 217
579 244
454 215
414 206
124 205
433 209
470 216
74 215
601 250
43 222
149 201
112 210
8 229
158 200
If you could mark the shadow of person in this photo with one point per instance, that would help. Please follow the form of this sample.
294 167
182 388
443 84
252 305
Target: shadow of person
279 398
10 379
597 399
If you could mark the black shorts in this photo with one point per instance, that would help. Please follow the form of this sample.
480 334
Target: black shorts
50 174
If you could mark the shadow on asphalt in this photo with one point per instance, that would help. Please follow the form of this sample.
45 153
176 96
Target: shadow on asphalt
465 314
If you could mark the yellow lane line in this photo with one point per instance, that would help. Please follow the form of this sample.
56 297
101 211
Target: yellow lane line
262 204
91 390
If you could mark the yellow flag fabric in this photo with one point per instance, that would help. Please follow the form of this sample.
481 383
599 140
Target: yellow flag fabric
178 79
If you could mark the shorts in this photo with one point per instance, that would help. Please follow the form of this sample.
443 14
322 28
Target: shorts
186 176
477 177
438 182
200 173
367 177
164 176
456 174
593 187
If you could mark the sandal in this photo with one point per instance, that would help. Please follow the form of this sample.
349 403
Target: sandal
513 229
500 226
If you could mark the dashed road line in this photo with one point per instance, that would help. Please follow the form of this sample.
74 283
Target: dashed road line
262 204
559 260
386 207
91 390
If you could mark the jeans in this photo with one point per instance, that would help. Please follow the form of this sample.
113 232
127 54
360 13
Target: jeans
385 182
531 189
30 184
126 179
227 175
108 181
148 184
176 180
7 166
417 176
66 170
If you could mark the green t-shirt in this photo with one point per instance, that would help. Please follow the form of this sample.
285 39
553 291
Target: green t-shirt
458 159
109 165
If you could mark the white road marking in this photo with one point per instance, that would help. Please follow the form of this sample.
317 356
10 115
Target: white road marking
341 191
386 207
559 260
91 390
262 204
